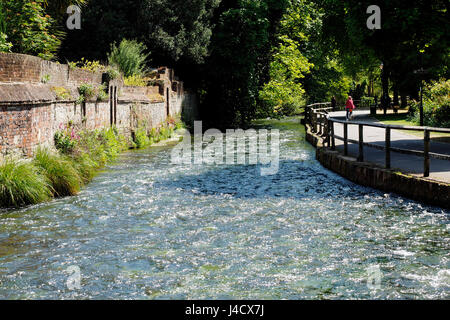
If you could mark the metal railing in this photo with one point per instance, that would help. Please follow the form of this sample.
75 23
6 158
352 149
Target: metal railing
320 122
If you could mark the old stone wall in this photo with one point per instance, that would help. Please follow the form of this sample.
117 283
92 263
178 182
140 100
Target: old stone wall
31 111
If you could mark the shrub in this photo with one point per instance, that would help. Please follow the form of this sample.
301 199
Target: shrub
59 170
367 101
21 184
135 81
436 105
154 135
62 93
165 132
102 95
66 138
129 57
141 139
101 146
113 73
86 90
84 64
5 46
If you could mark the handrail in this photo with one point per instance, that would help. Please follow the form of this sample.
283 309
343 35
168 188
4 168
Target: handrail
323 124
393 126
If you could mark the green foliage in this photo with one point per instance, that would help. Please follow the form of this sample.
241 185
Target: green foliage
413 34
113 73
45 78
62 93
240 61
436 105
102 146
21 184
129 57
173 31
178 30
284 93
59 170
84 64
29 29
65 138
86 91
141 138
367 101
86 167
102 95
135 81
5 46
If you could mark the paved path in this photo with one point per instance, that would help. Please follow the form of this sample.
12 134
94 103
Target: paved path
439 169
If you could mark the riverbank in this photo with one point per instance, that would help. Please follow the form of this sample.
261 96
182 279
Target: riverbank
372 175
76 159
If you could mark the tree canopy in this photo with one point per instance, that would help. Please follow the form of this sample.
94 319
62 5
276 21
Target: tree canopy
249 58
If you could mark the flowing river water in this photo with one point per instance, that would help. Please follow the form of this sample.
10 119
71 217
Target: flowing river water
148 229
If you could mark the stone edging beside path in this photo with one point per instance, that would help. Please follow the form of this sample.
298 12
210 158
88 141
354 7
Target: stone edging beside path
372 175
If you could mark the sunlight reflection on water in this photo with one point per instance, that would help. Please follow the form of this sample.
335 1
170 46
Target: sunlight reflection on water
146 229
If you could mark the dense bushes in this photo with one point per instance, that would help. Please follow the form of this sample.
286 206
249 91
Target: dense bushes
143 137
28 28
129 57
436 105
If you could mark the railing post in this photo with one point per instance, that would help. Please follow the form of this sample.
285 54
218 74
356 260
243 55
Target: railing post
388 148
322 124
361 143
314 120
319 123
308 115
426 139
333 140
345 139
329 133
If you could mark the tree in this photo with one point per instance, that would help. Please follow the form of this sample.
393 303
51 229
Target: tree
174 31
239 63
284 93
178 29
5 45
28 29
413 34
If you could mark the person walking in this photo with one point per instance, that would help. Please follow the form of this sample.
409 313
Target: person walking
349 107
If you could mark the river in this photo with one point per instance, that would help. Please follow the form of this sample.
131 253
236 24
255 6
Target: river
148 229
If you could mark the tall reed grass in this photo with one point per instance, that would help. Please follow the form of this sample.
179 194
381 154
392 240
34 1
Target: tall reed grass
21 183
65 180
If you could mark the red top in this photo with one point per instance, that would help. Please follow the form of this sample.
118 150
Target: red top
349 104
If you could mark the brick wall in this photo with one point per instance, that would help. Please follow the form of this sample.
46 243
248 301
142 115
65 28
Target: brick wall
31 113
54 74
77 76
19 68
